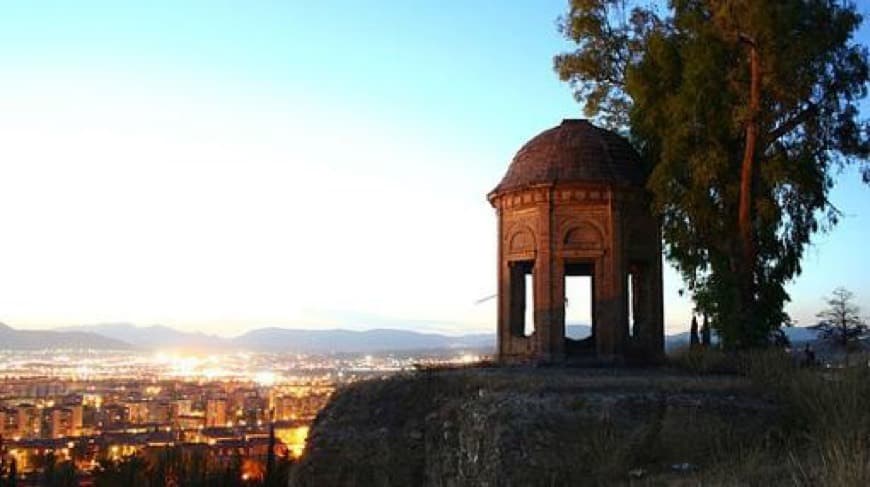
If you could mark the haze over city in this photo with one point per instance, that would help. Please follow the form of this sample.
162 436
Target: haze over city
220 168
371 244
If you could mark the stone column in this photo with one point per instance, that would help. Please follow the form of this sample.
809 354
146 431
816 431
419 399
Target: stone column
543 279
611 300
556 285
502 292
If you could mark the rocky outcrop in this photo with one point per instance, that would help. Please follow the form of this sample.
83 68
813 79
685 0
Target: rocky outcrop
504 427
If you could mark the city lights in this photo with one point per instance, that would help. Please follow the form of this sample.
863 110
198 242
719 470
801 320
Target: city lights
265 378
84 406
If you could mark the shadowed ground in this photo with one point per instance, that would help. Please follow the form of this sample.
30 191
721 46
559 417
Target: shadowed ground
559 426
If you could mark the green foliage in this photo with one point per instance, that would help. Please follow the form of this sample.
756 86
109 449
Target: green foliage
270 459
129 471
8 469
12 478
766 368
702 361
189 466
679 77
56 474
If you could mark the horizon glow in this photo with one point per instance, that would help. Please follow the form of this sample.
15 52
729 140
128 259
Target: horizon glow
220 168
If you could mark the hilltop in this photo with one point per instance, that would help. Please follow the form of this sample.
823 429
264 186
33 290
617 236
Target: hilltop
523 426
711 418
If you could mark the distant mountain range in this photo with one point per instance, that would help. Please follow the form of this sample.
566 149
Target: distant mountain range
797 335
13 339
122 336
289 340
125 336
286 340
379 340
154 337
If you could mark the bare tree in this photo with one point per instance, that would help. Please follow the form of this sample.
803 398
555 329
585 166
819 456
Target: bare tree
840 320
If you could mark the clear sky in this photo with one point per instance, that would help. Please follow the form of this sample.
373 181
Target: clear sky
220 166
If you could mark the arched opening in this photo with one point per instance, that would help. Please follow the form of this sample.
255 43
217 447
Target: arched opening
578 307
579 286
522 298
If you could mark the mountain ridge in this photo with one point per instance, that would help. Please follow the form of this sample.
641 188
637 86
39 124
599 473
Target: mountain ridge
14 339
276 339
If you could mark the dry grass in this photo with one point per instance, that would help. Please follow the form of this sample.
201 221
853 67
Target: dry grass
831 410
825 439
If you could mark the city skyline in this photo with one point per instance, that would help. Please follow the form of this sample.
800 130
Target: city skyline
221 169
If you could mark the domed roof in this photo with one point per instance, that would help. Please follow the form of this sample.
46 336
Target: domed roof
574 151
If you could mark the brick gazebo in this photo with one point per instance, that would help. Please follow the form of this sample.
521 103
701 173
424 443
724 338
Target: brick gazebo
573 203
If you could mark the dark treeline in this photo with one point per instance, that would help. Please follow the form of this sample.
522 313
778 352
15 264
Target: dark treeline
166 466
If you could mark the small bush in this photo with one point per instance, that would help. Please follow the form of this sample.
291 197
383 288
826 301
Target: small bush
766 368
702 361
763 367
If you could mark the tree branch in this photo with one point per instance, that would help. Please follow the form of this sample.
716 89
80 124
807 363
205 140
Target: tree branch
791 124
746 39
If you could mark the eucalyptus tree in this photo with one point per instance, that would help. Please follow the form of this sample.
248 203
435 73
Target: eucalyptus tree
744 111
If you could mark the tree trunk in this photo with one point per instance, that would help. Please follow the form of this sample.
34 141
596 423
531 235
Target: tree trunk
706 333
746 269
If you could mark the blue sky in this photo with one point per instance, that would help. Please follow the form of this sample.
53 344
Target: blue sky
220 166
